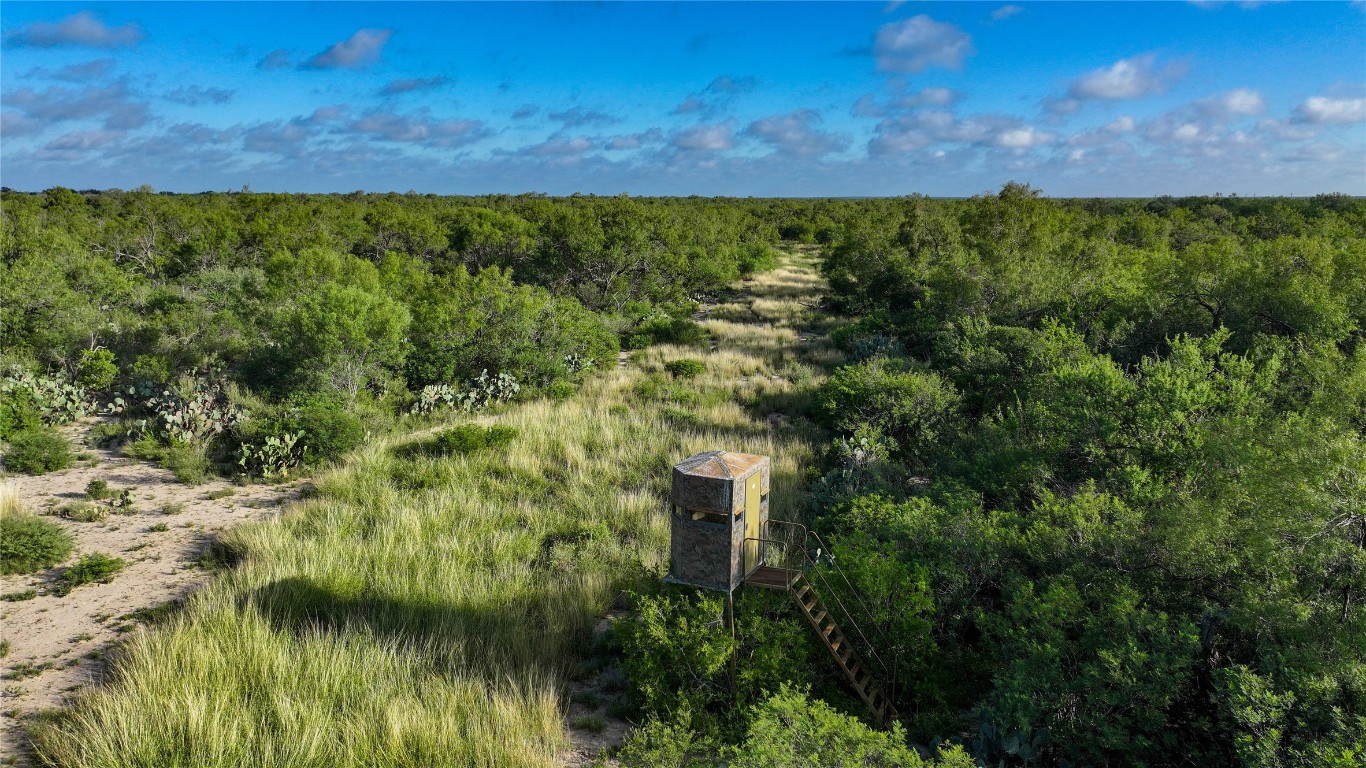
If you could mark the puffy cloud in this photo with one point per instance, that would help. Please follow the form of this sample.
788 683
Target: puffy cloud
635 140
277 138
689 105
395 87
918 130
1132 78
276 59
1234 104
576 117
1322 110
81 29
937 97
919 43
54 105
84 141
356 52
718 93
867 106
75 73
1005 12
418 129
1025 137
572 147
15 123
794 133
195 95
706 138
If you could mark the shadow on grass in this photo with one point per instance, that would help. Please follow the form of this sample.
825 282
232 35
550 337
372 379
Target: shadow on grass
484 640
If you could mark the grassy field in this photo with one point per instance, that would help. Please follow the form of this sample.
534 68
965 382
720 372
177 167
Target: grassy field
426 609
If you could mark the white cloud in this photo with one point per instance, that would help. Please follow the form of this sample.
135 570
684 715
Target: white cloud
794 133
1132 78
358 51
84 141
75 73
560 147
919 43
938 97
1229 106
1243 101
408 85
1005 12
706 138
197 95
276 59
418 129
82 29
1322 109
1025 137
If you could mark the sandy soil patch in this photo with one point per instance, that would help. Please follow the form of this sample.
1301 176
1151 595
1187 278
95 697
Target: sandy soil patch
57 644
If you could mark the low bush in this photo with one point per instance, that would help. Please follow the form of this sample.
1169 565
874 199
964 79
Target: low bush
96 369
83 512
38 451
18 413
917 409
468 438
757 257
29 543
98 490
665 330
187 462
686 368
95 567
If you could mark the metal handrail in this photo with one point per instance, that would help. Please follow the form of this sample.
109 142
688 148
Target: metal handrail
810 564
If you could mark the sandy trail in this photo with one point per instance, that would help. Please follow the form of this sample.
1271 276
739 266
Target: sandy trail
57 644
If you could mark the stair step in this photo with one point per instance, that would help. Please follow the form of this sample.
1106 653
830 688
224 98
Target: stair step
819 616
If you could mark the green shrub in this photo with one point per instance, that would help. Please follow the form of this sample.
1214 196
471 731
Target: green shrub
29 543
83 512
468 438
561 390
96 369
37 451
757 257
92 568
18 413
914 408
187 462
792 729
329 429
98 489
686 368
675 650
662 329
18 597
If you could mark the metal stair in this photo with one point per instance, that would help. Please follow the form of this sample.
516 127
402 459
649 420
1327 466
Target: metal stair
866 671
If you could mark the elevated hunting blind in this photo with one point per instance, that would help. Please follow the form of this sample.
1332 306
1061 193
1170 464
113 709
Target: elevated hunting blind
720 514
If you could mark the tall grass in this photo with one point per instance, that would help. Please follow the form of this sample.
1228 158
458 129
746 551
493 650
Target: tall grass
425 609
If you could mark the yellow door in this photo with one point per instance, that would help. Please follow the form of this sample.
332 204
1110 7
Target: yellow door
752 532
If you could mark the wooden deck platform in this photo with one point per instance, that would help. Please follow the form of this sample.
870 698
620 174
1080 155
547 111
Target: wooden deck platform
768 577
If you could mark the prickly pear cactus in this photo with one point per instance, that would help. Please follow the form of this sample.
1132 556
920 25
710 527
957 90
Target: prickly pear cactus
194 411
274 457
58 400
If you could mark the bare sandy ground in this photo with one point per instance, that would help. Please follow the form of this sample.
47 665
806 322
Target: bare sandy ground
57 644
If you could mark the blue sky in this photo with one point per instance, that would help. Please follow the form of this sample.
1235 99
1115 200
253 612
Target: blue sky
800 99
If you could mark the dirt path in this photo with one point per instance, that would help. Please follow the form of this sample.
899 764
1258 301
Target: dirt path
57 644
